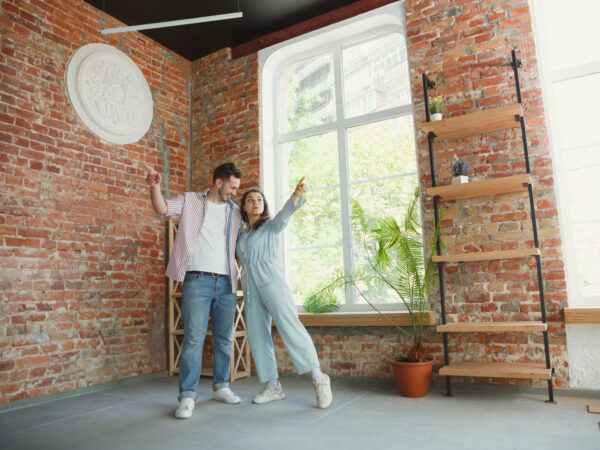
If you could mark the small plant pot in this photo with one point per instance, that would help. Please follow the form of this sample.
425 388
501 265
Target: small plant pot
436 116
413 378
460 179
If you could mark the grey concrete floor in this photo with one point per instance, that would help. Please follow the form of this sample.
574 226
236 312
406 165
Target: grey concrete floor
364 415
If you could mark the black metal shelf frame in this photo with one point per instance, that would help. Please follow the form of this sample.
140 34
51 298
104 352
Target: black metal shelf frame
427 85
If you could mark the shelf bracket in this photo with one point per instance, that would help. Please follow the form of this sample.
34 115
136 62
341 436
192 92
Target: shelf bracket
428 83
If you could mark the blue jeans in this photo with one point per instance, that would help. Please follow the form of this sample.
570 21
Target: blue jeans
205 295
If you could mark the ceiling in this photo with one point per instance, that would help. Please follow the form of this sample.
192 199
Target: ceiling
261 17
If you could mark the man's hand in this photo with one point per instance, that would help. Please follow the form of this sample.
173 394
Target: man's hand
153 178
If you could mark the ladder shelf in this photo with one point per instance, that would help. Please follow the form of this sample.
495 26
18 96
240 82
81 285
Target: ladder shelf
480 122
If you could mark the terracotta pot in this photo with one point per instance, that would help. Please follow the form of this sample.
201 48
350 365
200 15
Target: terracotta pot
413 378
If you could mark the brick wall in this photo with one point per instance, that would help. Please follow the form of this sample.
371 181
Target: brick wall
81 251
464 46
225 117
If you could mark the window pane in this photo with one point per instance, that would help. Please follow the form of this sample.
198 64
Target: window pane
576 102
382 149
375 75
583 185
319 221
309 269
587 247
315 158
375 290
378 200
572 32
308 93
385 197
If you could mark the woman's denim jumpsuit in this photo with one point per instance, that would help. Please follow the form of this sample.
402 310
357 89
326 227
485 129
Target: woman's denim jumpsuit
267 295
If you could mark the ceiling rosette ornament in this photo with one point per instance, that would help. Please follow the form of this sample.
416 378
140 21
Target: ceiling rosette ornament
109 93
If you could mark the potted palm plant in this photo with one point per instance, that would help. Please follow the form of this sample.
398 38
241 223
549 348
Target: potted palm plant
397 259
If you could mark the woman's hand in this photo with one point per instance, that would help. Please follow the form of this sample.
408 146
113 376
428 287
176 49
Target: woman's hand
300 190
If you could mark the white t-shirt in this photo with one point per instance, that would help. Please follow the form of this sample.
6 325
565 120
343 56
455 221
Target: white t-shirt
210 252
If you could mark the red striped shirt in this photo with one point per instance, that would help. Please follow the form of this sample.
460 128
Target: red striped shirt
190 209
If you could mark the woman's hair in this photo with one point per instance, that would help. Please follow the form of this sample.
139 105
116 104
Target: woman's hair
265 214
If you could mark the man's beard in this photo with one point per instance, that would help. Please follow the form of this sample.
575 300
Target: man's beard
222 195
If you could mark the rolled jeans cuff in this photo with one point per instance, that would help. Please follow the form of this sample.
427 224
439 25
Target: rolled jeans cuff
187 394
222 385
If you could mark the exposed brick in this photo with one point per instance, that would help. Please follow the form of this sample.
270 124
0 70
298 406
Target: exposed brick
56 187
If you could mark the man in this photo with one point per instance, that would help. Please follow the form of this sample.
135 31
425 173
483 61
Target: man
203 257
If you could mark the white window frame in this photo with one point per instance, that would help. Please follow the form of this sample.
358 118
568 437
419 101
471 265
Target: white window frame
549 77
273 61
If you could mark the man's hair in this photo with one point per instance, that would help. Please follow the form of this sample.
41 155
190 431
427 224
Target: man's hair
225 171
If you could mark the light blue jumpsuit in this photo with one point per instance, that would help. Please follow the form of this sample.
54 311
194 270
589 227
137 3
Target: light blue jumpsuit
267 295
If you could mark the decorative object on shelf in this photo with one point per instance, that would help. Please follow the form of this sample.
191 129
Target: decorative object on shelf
398 262
460 172
435 107
109 93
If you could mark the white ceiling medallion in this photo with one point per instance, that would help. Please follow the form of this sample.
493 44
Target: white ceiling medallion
109 93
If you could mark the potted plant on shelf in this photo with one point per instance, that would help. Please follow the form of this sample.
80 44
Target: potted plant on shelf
397 260
460 172
435 107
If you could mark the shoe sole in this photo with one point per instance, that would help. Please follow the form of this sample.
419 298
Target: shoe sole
226 402
269 401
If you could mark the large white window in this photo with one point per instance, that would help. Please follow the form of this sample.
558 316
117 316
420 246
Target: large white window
570 49
341 115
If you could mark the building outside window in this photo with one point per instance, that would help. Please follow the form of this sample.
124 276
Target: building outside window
342 117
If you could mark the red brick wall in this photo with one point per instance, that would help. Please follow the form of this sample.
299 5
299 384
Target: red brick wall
81 251
464 46
225 117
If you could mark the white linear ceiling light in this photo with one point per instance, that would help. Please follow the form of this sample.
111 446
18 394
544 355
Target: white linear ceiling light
173 23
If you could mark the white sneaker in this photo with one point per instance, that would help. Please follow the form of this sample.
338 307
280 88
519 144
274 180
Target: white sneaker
323 391
185 408
226 395
269 393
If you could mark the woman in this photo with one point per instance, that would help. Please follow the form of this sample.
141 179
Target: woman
267 295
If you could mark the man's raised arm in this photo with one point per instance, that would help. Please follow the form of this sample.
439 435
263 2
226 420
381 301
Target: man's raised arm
153 179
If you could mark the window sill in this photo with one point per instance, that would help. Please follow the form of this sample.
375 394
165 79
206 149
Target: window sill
582 315
361 319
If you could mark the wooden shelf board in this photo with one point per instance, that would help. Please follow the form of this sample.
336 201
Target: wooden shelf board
594 409
491 327
478 122
497 370
502 185
360 319
488 256
582 315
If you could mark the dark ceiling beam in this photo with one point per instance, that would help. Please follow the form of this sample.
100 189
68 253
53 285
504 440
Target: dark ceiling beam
307 26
